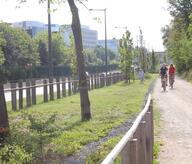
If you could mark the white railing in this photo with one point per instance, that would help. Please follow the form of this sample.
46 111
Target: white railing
136 147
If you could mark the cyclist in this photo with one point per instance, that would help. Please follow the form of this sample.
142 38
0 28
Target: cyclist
163 72
171 75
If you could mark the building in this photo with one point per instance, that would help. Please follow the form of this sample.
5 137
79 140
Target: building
54 27
89 36
32 27
112 44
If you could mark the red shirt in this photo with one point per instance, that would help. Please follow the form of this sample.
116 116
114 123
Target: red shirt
171 70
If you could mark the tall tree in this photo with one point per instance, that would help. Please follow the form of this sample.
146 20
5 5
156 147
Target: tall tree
126 47
83 87
153 61
178 35
142 58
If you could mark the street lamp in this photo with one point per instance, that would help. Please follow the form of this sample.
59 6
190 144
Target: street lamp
125 27
104 10
49 41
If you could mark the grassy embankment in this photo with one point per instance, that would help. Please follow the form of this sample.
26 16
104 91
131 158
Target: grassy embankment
110 107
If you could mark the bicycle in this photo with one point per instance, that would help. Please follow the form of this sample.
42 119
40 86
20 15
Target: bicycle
164 82
171 80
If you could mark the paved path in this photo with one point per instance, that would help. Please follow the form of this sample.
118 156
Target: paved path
176 122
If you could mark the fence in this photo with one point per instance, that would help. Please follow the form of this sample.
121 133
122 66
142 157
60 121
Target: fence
65 86
136 147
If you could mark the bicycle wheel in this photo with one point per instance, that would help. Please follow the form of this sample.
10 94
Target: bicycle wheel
164 85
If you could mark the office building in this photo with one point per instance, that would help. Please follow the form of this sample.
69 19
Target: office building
112 44
89 36
32 27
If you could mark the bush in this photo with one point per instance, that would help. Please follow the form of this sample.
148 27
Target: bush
10 154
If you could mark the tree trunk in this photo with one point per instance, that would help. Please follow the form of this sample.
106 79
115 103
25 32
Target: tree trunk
83 87
4 123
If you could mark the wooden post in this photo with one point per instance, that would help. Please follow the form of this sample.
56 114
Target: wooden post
33 83
98 81
20 94
129 153
116 77
142 157
89 82
13 96
95 81
28 94
75 85
4 122
132 152
106 76
45 91
69 86
64 87
92 86
110 78
51 88
105 80
149 139
140 135
58 88
102 80
152 125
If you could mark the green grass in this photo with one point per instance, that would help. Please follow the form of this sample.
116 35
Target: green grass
110 107
103 150
157 143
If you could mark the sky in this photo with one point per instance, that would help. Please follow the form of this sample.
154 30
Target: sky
149 15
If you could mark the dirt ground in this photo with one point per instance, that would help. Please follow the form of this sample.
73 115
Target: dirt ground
176 122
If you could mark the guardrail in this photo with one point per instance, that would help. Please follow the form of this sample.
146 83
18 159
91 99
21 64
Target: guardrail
136 147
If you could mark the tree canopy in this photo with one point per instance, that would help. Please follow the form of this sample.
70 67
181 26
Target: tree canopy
178 35
17 46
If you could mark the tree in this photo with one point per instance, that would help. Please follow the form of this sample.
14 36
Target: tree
142 58
181 9
178 35
126 47
4 122
83 87
59 50
72 56
19 48
2 43
100 53
153 61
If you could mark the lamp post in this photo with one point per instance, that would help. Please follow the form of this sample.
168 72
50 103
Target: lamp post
122 27
125 27
105 17
49 41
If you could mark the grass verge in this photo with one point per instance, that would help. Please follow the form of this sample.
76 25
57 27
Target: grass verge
158 142
110 107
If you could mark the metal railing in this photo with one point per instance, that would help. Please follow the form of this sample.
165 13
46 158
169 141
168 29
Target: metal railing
136 147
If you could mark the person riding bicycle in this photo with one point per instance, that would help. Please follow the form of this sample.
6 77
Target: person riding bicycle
163 72
171 74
